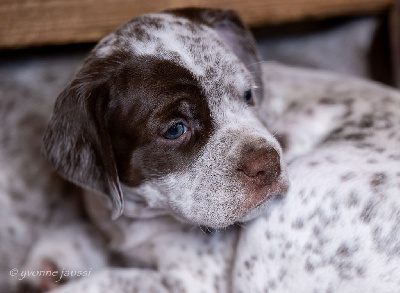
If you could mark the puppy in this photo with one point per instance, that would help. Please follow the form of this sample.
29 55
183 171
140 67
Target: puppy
162 122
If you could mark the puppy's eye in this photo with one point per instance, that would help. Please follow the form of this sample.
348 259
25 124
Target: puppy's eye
248 97
175 131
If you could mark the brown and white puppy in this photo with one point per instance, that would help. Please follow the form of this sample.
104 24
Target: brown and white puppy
162 118
162 114
162 121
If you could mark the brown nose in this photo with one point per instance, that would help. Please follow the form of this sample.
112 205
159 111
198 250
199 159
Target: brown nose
261 166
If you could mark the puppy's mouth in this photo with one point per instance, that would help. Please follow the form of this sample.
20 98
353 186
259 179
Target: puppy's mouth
260 198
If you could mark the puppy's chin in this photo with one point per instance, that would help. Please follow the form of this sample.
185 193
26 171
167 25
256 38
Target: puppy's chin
256 211
276 190
232 219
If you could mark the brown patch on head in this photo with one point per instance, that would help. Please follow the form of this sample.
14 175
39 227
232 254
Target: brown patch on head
148 96
108 124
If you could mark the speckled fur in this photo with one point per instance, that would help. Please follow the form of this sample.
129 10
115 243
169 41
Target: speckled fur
337 230
34 200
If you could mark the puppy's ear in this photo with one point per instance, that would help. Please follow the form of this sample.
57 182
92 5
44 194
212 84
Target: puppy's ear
236 35
232 31
77 143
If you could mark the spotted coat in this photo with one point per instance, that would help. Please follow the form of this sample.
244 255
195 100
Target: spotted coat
337 230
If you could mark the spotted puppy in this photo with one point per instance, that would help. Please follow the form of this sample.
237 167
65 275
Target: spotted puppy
338 228
161 121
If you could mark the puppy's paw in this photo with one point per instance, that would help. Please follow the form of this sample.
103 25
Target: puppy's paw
62 255
48 278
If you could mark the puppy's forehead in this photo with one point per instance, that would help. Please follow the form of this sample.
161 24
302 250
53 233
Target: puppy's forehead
190 44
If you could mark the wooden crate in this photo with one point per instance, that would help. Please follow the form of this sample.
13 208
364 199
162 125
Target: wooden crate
43 22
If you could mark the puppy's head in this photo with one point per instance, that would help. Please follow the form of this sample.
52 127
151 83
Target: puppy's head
163 110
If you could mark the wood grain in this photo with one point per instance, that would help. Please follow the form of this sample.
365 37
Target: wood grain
42 22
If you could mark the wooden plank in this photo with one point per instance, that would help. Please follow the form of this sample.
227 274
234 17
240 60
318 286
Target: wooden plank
41 22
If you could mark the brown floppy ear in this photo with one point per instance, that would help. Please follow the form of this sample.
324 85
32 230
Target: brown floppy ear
76 142
233 33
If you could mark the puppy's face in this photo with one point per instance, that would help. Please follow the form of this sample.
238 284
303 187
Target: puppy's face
163 111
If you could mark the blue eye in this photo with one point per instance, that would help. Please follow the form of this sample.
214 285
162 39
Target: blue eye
248 97
175 131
